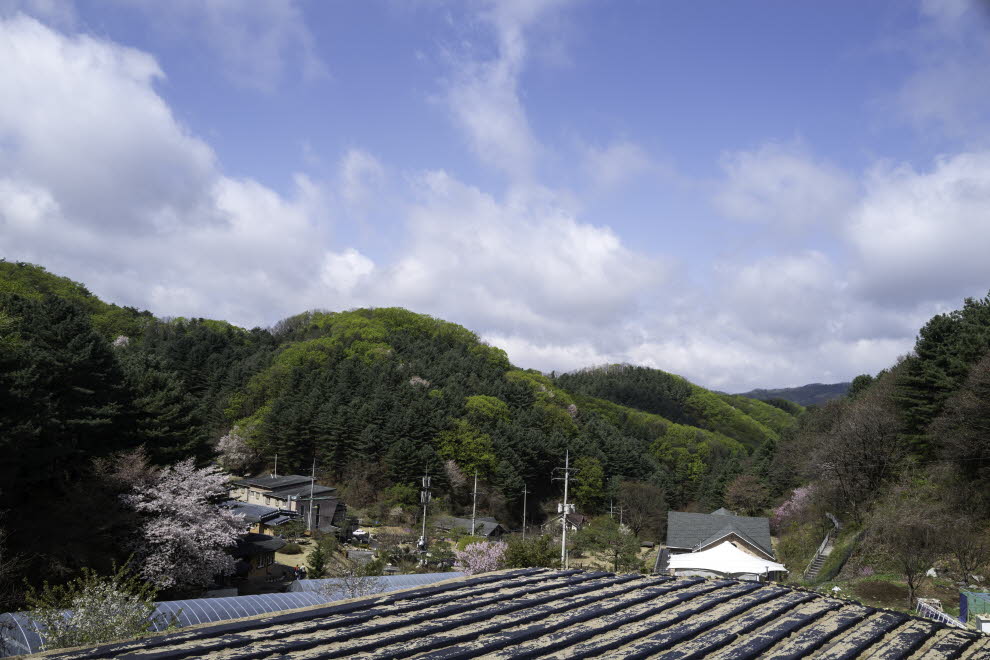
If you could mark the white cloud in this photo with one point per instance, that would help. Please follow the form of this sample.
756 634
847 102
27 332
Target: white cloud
360 176
793 296
521 263
342 272
54 12
616 164
101 183
952 51
257 43
483 93
923 235
784 186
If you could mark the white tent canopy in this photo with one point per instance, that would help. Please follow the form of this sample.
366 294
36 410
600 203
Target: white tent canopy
725 559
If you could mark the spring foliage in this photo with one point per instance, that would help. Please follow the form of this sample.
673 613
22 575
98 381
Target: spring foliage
480 557
93 609
185 531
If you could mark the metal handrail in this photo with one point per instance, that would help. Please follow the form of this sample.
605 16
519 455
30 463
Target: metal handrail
927 611
825 541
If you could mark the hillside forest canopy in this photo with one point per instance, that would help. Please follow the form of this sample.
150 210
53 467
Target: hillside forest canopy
375 398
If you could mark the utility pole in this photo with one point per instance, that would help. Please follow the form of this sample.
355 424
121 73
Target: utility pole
275 471
474 503
524 512
424 498
312 488
564 508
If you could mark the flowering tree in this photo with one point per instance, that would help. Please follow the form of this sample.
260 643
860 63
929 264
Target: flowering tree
234 452
480 557
186 531
793 508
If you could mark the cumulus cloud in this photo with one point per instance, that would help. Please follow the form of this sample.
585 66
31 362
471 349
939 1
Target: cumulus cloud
513 264
784 186
102 183
923 235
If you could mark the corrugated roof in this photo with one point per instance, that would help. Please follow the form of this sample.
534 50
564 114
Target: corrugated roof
568 614
689 530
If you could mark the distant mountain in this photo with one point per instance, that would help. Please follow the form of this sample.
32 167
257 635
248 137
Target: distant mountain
806 395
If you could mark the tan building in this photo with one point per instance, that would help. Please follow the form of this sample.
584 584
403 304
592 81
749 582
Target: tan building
295 493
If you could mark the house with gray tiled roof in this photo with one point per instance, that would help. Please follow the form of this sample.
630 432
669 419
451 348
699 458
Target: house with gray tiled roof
695 532
484 526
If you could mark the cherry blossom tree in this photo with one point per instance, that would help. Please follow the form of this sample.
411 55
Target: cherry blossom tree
480 557
186 531
234 452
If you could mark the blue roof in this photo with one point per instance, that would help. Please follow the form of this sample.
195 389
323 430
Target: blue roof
20 636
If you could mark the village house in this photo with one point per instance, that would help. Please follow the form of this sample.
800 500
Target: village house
575 522
696 532
317 506
486 527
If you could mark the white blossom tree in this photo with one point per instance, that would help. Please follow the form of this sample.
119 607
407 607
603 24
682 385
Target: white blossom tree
186 532
235 454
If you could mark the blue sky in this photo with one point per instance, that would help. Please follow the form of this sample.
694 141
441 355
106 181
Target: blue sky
750 194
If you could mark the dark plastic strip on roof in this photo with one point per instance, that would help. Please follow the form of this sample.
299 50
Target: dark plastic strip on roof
531 623
905 640
522 632
443 619
704 601
722 633
541 582
569 636
863 636
316 620
664 640
952 644
760 641
483 583
816 635
459 631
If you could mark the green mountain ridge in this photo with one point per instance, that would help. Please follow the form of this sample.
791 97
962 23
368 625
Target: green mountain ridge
407 391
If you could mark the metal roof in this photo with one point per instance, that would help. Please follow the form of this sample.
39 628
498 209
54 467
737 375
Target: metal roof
273 482
20 636
569 614
690 530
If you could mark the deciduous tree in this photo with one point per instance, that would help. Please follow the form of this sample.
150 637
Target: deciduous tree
186 531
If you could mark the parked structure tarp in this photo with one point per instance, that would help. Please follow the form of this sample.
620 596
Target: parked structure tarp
724 559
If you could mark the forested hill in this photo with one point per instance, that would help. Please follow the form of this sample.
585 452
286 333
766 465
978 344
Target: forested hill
375 396
814 394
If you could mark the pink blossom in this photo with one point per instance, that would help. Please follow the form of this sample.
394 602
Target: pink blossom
186 530
480 557
792 508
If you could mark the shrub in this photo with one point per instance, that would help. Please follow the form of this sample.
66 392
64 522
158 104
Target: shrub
464 541
291 549
93 609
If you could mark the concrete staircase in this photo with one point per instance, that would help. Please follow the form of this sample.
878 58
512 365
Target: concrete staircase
816 564
824 550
